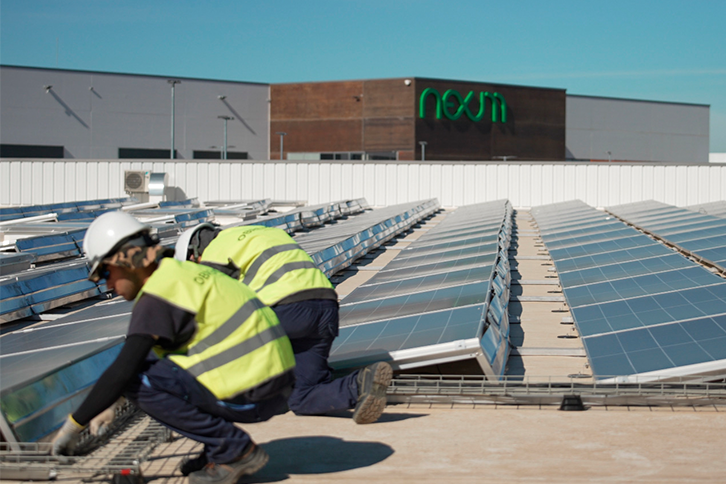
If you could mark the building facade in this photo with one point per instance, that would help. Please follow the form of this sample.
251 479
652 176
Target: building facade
56 113
415 118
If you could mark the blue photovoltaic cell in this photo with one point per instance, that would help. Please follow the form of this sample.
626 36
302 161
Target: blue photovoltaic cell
435 268
599 247
436 291
654 249
401 262
419 284
680 228
596 224
658 347
376 340
623 270
712 233
715 255
640 286
647 309
450 297
682 220
469 232
604 226
590 238
650 310
715 226
699 244
447 246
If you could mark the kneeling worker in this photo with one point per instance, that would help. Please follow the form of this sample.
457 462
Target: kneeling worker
221 355
285 278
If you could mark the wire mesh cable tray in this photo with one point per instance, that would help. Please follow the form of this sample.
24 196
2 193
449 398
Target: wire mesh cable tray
477 389
123 454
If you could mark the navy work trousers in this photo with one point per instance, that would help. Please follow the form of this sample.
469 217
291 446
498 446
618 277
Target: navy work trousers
312 326
175 398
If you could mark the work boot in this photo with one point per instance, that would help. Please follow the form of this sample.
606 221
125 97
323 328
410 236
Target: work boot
252 460
193 464
373 381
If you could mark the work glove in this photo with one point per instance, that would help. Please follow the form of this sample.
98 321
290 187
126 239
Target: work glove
99 425
66 440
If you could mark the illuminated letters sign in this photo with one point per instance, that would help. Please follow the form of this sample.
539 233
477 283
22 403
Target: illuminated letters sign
453 110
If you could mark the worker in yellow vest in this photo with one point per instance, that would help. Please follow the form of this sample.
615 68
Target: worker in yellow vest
285 278
219 354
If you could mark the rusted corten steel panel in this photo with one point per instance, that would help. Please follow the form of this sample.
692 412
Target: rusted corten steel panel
533 128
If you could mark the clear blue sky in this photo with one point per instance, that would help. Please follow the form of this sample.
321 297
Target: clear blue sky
662 50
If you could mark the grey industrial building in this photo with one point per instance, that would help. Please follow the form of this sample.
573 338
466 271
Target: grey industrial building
57 113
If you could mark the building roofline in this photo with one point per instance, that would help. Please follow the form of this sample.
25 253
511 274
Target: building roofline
79 71
417 79
637 100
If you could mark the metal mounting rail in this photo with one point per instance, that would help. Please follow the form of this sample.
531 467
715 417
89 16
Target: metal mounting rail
123 454
479 390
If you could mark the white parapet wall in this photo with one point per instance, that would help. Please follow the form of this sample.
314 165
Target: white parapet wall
33 182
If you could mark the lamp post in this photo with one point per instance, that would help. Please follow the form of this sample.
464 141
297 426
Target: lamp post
423 150
224 147
282 136
173 83
610 156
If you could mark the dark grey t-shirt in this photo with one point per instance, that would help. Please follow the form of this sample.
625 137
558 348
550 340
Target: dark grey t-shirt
156 317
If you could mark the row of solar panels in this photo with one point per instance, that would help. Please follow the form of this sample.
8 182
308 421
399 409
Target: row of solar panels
25 292
643 310
64 210
47 370
441 300
701 234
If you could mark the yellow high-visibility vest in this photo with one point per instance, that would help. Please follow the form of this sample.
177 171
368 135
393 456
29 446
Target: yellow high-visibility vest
239 343
270 261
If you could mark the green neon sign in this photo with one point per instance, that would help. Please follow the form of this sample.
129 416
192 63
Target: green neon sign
452 105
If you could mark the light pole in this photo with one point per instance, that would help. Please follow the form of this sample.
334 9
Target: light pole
423 150
610 156
224 147
282 136
173 83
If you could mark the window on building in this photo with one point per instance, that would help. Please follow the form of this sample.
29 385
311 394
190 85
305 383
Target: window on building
143 153
31 151
217 155
385 155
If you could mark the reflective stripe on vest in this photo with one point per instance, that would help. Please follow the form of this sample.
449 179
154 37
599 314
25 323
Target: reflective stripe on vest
270 261
264 257
239 343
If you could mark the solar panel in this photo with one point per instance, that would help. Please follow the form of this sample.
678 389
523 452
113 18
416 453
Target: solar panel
46 370
645 284
337 246
645 312
717 209
681 226
442 299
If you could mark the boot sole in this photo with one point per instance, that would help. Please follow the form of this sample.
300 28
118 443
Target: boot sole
371 407
257 462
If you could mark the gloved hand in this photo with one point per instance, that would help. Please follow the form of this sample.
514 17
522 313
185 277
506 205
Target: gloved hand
100 423
66 440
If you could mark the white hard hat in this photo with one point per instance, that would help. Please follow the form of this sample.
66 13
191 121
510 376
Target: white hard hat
108 233
181 249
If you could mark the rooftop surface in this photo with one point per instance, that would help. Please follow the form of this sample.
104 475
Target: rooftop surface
468 442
